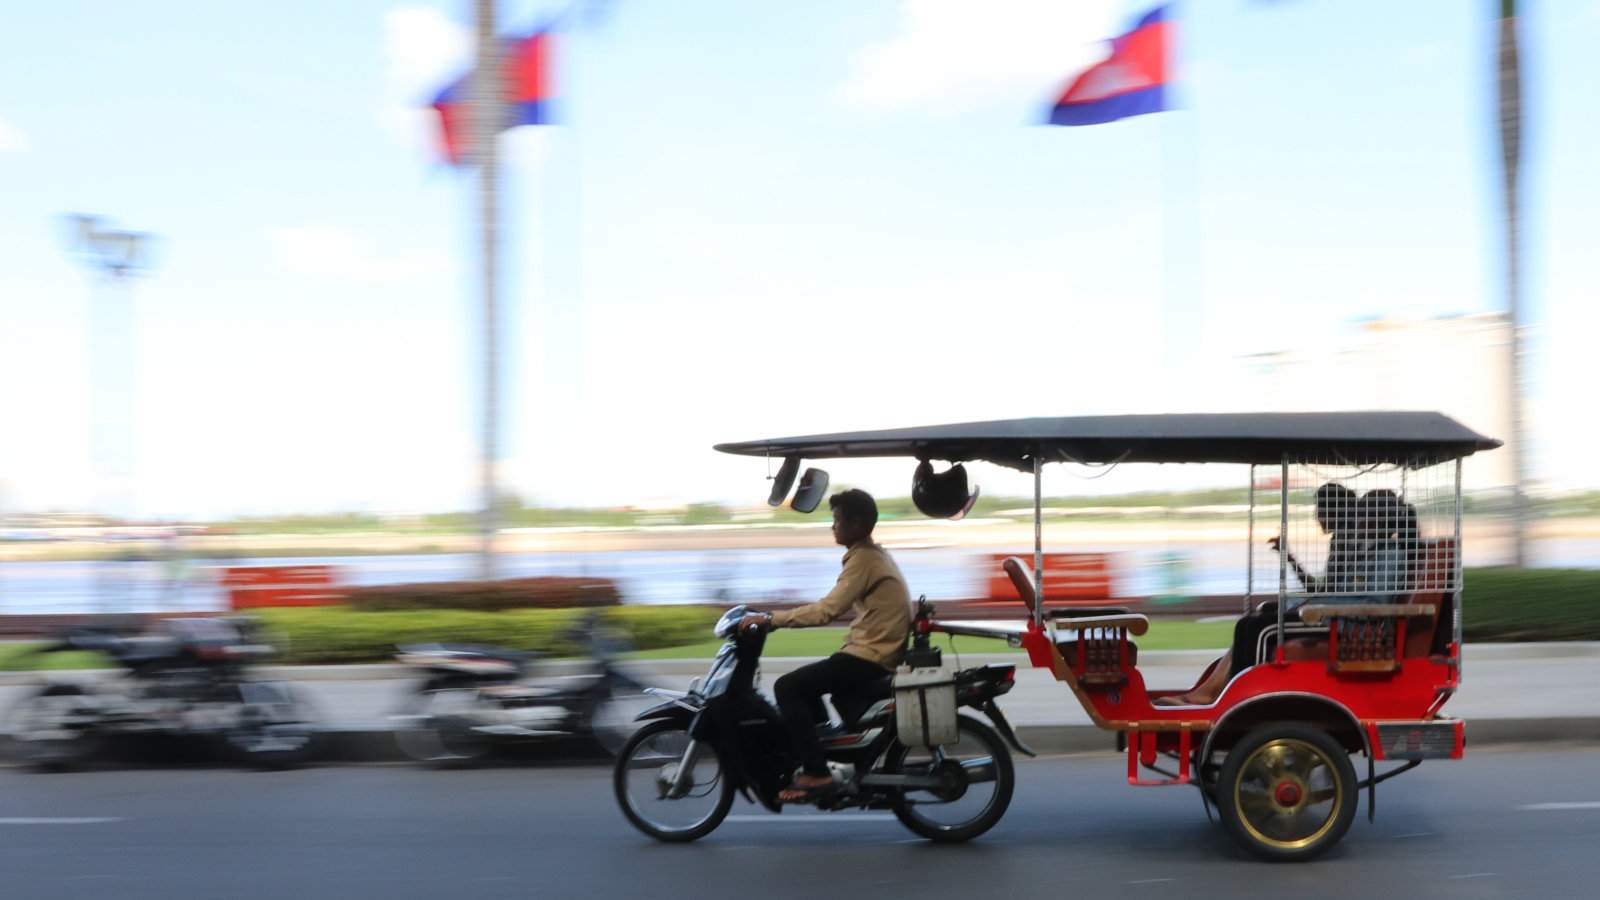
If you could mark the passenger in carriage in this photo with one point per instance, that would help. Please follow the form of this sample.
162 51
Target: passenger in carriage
1336 515
1390 548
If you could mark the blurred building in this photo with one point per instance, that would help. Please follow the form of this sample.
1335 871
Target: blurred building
1453 364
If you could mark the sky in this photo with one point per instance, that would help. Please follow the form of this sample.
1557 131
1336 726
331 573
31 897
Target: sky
751 220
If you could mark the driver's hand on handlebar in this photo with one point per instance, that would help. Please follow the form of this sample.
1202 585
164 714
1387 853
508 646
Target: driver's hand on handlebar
755 622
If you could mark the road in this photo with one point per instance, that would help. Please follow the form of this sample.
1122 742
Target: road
1476 828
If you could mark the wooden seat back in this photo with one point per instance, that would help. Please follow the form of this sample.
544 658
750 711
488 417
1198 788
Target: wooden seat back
1431 573
1022 580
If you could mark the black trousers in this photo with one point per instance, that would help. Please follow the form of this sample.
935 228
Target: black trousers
800 700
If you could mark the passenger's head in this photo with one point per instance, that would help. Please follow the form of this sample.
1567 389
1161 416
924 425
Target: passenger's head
1336 507
1381 513
855 514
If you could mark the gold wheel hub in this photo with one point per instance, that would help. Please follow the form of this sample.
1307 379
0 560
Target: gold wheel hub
1288 794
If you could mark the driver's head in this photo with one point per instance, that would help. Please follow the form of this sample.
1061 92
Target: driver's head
1336 507
855 514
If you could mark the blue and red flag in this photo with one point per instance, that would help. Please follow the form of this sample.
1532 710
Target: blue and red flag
1132 81
525 74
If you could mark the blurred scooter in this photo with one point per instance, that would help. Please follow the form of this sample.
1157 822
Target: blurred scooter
473 699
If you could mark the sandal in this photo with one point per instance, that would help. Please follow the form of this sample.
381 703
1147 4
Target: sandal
807 793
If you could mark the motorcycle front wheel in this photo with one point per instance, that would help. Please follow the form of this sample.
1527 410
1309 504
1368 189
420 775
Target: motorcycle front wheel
645 779
976 782
54 729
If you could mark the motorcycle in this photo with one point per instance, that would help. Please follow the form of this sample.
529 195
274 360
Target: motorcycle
676 777
472 699
188 677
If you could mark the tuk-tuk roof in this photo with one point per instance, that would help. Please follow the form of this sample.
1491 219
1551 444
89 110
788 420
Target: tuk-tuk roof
1408 438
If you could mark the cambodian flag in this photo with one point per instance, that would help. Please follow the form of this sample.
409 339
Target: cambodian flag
1132 81
525 68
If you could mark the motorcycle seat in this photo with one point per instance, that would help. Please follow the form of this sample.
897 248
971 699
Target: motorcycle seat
143 648
475 651
854 704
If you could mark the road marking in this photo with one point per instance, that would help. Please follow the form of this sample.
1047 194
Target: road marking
811 818
1473 875
1417 834
1577 804
58 820
1151 881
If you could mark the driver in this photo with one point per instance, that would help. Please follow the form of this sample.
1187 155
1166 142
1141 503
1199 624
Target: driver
871 584
1336 516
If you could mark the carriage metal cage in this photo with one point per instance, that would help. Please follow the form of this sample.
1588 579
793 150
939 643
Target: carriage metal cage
1360 543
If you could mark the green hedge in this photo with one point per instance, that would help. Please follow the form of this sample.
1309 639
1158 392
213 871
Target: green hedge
545 592
333 634
1532 605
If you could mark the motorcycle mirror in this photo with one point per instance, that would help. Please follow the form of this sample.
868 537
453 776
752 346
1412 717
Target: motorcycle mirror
783 480
813 487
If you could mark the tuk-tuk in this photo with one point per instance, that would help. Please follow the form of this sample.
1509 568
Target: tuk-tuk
1349 643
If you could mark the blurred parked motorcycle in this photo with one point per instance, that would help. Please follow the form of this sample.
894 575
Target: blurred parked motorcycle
187 676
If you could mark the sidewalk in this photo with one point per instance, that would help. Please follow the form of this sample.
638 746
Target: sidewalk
1510 693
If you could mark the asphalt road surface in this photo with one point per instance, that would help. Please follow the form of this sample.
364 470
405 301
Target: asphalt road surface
1498 824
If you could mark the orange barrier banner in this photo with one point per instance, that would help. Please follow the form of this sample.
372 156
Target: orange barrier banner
1068 577
257 587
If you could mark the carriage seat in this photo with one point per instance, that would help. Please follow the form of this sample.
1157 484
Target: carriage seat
1368 632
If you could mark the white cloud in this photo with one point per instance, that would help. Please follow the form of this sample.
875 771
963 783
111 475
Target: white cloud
422 50
332 251
12 140
950 55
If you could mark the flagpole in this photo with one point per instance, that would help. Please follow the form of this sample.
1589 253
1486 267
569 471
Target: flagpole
486 116
1179 235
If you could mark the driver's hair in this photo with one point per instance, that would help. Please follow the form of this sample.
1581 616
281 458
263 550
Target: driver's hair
1336 500
855 506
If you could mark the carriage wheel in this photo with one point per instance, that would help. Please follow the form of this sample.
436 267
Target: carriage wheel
1287 792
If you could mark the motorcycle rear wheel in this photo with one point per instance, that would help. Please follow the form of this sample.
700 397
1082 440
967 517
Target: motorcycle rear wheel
921 811
273 737
610 721
436 731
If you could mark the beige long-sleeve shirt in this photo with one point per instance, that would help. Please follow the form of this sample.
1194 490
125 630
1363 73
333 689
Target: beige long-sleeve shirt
872 585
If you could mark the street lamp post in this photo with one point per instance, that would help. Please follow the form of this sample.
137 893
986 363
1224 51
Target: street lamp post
1509 94
112 257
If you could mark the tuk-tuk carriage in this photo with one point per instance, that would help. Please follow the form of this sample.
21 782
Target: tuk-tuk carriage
1350 642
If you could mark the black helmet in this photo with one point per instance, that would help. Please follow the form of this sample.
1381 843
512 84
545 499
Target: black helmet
942 496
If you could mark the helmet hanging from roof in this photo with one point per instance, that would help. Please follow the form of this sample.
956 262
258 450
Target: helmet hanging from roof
943 495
